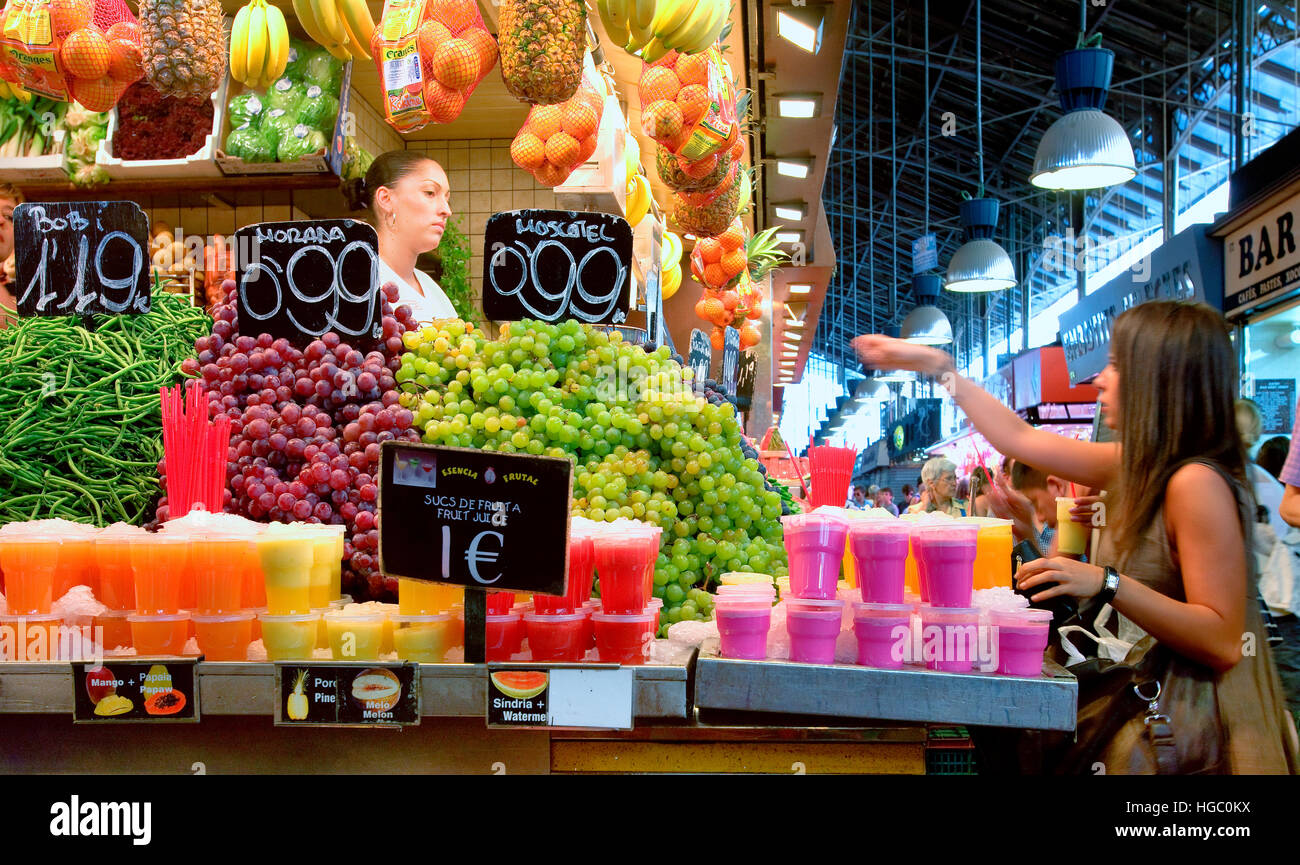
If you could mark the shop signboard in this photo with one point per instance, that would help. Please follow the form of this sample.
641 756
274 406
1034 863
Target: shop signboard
916 430
485 520
1188 267
925 254
565 697
1276 400
300 280
81 258
1039 376
1260 261
135 690
358 694
553 265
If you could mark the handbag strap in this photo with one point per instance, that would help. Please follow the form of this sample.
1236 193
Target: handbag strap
1159 729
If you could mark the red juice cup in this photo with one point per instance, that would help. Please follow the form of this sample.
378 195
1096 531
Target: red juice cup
582 569
624 639
950 638
1022 639
743 622
499 603
620 562
946 561
589 609
505 635
880 642
814 544
813 625
879 550
557 637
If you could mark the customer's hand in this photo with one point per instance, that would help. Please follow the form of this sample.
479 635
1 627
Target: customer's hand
884 352
1011 504
1083 510
1071 577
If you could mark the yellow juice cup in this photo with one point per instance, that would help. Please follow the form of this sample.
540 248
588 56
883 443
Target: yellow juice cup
424 639
741 578
386 641
323 562
289 638
355 636
1071 537
286 557
336 570
420 598
992 552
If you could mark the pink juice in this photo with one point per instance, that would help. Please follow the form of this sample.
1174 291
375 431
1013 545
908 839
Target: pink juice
950 638
880 556
813 627
881 629
743 627
946 562
1022 639
815 546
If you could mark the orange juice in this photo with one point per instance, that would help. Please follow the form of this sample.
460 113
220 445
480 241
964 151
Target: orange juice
218 568
254 582
355 636
116 579
76 564
289 638
159 635
30 562
224 637
420 598
992 552
424 639
286 558
117 630
160 563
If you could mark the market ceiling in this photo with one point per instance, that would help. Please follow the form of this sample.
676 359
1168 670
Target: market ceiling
1172 59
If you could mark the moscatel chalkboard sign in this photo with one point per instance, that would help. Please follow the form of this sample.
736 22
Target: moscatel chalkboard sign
300 280
730 359
700 359
553 265
81 258
474 518
745 380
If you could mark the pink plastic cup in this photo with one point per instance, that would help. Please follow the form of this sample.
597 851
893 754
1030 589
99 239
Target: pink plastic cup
815 546
877 628
1022 639
743 622
624 639
879 550
505 636
499 603
946 561
950 638
557 637
813 625
622 560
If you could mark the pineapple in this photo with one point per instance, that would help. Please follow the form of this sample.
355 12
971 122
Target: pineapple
184 46
670 172
542 43
707 214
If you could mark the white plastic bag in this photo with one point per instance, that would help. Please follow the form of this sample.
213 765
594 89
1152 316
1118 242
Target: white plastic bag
1108 645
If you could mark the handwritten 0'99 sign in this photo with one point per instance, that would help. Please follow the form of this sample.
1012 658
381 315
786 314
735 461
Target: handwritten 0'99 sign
300 280
555 264
81 258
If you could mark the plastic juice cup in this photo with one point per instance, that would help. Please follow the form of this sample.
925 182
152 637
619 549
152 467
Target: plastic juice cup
946 552
877 628
218 562
743 578
656 605
813 625
560 637
386 641
339 533
116 579
621 564
814 544
321 586
505 636
286 560
551 605
992 552
355 636
500 603
254 581
783 586
880 549
1071 537
590 609
623 639
582 570
76 564
1022 639
422 598
424 639
30 562
117 630
322 630
458 624
161 564
224 637
289 638
159 635
25 628
950 638
743 623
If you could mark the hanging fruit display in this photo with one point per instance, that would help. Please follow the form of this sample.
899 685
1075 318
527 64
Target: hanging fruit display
688 105
653 28
184 46
556 139
708 213
259 45
71 50
344 28
670 264
542 46
730 267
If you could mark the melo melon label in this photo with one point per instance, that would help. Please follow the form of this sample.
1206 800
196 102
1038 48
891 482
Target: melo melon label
362 694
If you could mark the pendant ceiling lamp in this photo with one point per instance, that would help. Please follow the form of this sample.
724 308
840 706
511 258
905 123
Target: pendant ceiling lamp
869 389
980 264
926 324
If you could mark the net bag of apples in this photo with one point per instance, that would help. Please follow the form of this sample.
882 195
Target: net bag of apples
431 54
82 50
556 139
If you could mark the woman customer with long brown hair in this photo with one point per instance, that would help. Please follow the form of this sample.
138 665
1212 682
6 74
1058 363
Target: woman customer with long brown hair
1173 556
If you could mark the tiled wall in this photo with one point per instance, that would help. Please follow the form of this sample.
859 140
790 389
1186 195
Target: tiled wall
183 213
373 132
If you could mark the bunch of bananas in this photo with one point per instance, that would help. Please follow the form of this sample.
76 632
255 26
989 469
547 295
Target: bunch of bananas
670 264
342 27
655 27
638 199
14 91
259 45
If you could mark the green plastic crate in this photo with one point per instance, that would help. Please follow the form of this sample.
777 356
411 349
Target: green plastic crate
949 751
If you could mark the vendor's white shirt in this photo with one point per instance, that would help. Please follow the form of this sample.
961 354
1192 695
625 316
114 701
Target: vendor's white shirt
432 304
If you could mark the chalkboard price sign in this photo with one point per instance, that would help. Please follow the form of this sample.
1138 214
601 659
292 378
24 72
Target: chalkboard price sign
474 518
1276 400
300 280
745 380
552 265
700 360
730 359
81 258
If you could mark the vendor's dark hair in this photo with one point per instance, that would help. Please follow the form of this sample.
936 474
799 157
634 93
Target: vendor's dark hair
386 170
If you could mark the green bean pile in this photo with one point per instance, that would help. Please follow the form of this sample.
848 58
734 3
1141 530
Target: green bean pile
80 419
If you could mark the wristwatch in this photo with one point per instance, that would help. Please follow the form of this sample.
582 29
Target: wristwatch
1110 586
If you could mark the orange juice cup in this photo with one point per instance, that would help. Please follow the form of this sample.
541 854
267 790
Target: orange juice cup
339 534
76 564
159 634
160 563
224 637
30 563
218 566
116 632
321 585
30 648
992 552
289 638
424 639
254 582
286 557
355 636
421 598
116 579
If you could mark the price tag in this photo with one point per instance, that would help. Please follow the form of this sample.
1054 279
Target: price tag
584 698
81 258
300 280
471 518
730 359
700 359
361 694
135 690
554 264
745 380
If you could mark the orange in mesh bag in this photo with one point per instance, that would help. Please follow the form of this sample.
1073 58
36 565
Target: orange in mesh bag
556 139
431 54
688 104
87 50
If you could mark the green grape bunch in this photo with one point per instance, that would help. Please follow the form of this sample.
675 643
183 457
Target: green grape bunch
644 445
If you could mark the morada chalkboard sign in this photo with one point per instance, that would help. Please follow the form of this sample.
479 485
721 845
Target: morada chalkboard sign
474 518
300 280
81 258
553 265
700 358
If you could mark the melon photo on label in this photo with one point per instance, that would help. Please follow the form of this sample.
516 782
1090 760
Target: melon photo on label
521 684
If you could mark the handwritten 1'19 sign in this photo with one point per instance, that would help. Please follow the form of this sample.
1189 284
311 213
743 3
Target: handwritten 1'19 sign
554 264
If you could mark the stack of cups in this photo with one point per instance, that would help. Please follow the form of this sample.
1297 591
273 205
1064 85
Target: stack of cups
815 545
624 628
30 561
743 611
286 554
222 626
424 628
161 564
882 618
945 560
116 582
558 626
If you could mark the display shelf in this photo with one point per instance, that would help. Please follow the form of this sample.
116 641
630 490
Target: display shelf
447 690
910 694
220 187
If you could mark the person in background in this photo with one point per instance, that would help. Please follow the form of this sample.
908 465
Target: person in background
908 498
979 486
10 197
940 478
1290 475
1268 491
407 193
963 489
858 500
1037 489
1271 455
885 499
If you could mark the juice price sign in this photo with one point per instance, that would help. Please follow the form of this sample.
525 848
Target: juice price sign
466 517
135 690
573 698
362 694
